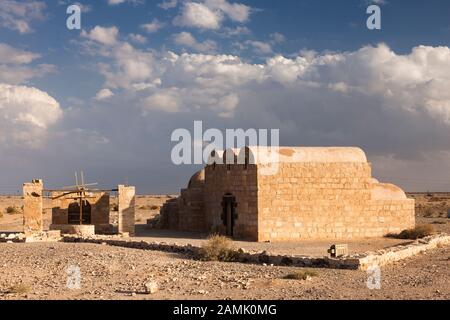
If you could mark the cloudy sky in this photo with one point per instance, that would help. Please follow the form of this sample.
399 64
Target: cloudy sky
106 98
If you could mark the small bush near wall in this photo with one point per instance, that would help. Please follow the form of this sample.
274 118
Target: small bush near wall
418 232
218 248
13 210
301 275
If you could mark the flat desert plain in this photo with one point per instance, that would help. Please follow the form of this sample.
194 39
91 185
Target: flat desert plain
40 270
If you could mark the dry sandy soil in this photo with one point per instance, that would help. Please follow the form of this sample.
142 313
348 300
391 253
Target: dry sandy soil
119 273
433 209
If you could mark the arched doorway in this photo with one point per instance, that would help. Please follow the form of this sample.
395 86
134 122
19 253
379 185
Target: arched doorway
74 213
229 214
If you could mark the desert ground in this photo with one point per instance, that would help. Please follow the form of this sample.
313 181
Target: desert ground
39 270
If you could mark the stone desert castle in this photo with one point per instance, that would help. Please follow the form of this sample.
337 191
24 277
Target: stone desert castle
314 193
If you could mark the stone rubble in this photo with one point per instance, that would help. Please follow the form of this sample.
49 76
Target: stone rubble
151 287
352 262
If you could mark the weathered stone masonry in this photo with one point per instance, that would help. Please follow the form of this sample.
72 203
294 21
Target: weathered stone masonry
32 206
315 193
96 216
127 204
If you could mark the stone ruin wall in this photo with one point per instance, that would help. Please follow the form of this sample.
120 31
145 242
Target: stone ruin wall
104 222
199 207
32 206
241 181
99 202
329 195
169 214
192 210
126 209
327 201
187 212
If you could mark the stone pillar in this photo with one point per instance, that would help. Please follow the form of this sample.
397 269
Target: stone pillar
32 206
127 203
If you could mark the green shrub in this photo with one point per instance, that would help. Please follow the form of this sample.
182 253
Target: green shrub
301 275
218 248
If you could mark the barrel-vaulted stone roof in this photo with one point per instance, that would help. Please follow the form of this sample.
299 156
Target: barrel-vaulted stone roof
266 155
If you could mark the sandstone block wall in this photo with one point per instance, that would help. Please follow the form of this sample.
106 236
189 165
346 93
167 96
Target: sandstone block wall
313 193
169 214
192 209
241 182
99 207
32 206
326 201
127 207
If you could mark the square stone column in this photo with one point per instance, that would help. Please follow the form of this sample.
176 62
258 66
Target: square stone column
127 204
32 206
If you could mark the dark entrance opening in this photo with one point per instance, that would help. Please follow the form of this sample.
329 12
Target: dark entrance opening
74 213
229 215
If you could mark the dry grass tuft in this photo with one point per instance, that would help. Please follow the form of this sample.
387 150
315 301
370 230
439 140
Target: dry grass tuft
13 210
418 232
150 208
428 213
20 288
301 275
155 222
218 248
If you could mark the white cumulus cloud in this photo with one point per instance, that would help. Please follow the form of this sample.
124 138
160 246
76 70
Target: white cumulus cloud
168 4
15 65
103 35
117 2
209 14
198 15
235 11
104 94
25 115
187 40
18 15
11 55
153 26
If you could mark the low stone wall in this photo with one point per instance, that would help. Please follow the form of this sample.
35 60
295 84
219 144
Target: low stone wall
45 236
383 257
12 237
119 241
80 230
353 262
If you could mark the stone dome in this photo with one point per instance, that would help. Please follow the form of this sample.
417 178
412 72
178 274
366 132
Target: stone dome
197 179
